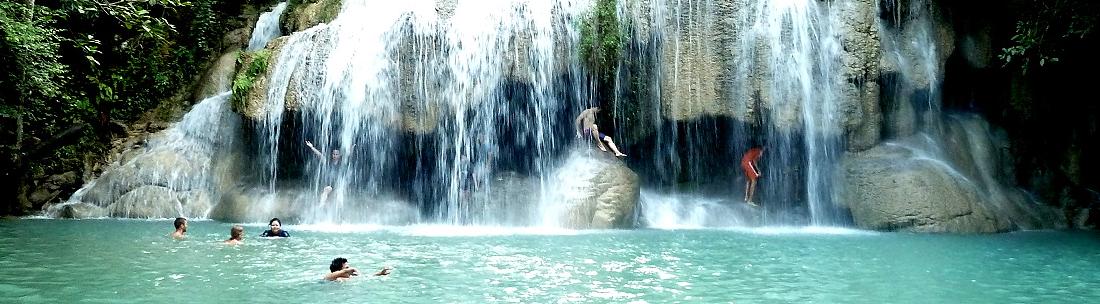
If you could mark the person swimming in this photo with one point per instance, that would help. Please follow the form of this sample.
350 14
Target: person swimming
236 235
340 270
181 228
276 229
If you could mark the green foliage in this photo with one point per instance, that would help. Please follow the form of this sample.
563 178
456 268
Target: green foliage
257 66
329 10
602 40
29 47
1046 29
90 62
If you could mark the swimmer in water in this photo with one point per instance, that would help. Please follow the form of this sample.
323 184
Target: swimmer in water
181 228
339 270
236 235
276 229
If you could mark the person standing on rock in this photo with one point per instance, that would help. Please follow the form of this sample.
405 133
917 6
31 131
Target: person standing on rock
586 121
752 171
181 228
330 176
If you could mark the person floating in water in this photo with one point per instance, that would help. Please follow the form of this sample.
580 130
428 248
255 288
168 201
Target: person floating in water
339 270
330 176
236 235
276 229
181 228
752 171
586 121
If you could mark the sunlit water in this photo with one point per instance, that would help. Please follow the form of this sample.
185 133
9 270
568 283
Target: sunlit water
122 261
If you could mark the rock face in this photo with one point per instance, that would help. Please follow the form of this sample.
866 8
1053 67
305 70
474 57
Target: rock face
861 53
172 173
594 190
887 188
910 185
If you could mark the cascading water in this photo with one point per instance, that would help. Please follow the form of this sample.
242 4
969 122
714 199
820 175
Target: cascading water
802 63
481 87
182 170
964 146
770 65
267 28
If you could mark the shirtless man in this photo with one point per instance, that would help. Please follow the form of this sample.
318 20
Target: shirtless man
339 270
181 228
586 121
236 235
752 172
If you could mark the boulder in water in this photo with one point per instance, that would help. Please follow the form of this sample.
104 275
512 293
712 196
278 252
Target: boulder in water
595 191
889 188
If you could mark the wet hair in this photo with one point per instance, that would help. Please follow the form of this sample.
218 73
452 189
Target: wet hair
337 264
179 222
274 219
236 232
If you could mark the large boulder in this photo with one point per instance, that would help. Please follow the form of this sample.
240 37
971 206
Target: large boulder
147 202
594 190
890 188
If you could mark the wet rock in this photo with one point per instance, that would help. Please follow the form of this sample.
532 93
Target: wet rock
309 13
594 190
888 188
148 202
81 210
42 196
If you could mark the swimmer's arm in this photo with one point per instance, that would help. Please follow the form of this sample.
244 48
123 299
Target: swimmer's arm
315 151
384 271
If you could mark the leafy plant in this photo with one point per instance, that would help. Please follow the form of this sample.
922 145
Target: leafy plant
1045 30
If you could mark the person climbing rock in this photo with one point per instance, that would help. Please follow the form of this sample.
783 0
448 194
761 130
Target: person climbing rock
586 125
752 172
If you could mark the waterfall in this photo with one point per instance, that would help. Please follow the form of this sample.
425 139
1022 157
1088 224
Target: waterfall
267 28
177 172
802 63
730 75
423 99
182 170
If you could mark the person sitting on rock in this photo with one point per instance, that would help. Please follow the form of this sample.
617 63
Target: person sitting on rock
181 228
752 171
236 235
339 270
587 121
276 229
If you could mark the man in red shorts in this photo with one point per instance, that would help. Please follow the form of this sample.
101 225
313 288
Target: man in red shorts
752 171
